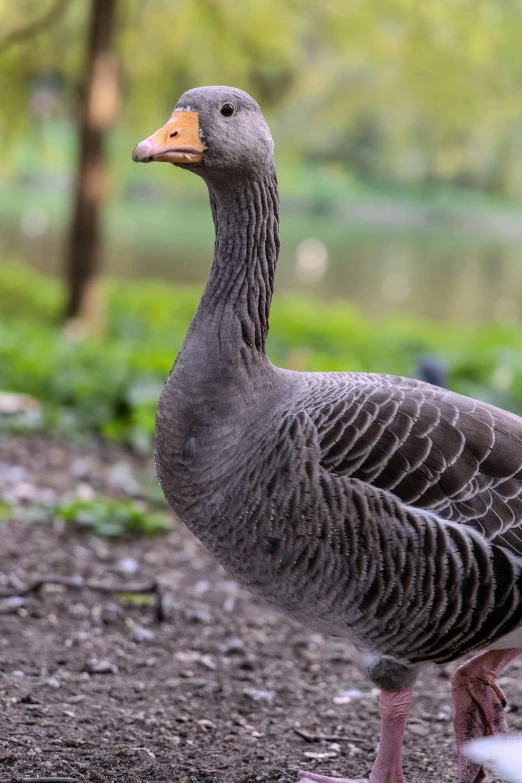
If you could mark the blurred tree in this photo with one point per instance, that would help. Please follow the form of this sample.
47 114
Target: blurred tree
394 90
99 108
98 95
29 30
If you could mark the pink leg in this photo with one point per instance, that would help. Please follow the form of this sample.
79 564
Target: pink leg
394 706
478 705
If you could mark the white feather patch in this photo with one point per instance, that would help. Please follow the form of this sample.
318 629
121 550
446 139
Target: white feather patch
502 755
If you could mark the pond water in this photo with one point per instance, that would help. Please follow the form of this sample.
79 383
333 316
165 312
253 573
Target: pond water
438 272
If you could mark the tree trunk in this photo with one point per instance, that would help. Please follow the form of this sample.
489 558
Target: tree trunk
99 107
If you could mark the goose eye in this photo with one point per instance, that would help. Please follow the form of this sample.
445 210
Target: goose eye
228 110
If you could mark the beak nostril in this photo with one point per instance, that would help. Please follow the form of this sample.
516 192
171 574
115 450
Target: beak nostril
174 133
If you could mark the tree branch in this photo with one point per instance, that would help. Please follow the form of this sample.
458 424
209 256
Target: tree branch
23 33
323 737
79 583
16 779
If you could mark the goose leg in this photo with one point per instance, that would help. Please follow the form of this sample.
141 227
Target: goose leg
394 707
478 705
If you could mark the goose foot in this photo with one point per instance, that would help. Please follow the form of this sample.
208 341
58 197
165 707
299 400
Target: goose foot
478 706
394 707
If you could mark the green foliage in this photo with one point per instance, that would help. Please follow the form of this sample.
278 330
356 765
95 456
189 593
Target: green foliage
396 90
110 386
6 511
113 518
137 599
21 291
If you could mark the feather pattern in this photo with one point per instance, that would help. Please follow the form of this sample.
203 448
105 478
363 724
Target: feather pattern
432 448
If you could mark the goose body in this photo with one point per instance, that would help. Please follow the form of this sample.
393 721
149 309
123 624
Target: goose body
356 504
379 509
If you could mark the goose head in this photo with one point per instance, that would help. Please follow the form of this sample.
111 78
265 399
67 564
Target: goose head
213 131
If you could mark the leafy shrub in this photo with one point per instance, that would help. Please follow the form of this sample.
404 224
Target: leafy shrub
110 385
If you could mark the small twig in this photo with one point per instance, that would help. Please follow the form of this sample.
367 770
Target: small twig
59 744
79 583
325 737
39 780
15 741
73 769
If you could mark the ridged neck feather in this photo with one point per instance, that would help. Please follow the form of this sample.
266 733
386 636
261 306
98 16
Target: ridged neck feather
235 305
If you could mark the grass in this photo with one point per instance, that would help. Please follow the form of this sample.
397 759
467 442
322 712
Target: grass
113 518
102 516
109 386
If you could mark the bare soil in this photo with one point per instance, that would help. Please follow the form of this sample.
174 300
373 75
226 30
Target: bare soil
94 688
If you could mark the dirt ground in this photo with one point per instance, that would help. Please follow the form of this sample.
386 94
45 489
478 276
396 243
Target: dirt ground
94 688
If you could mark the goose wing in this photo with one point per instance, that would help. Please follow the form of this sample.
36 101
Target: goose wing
420 513
431 448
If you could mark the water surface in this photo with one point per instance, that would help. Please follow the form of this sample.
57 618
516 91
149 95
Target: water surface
444 272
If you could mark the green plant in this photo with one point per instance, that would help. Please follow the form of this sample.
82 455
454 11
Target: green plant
6 510
113 518
110 385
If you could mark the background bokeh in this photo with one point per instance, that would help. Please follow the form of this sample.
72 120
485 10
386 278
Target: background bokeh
398 143
398 130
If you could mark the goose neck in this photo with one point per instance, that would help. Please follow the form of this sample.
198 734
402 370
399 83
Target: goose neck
238 294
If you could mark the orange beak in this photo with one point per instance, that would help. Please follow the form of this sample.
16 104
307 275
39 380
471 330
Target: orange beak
177 142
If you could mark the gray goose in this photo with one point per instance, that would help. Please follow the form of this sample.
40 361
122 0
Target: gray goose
379 509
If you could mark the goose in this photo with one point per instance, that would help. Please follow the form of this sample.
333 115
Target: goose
378 509
501 754
432 370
